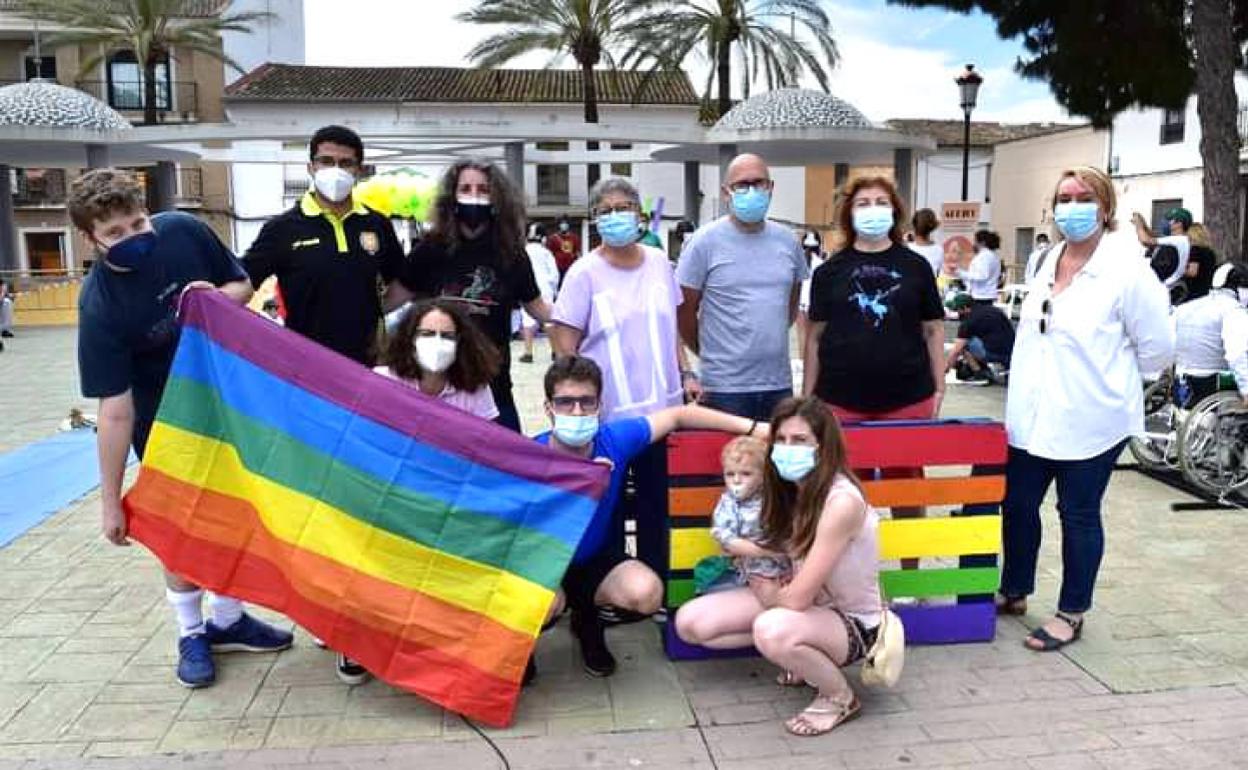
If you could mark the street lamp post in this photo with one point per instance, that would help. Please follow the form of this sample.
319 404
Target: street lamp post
968 86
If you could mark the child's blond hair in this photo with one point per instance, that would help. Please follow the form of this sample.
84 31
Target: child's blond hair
744 449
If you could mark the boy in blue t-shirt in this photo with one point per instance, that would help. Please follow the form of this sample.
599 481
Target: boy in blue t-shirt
127 335
601 573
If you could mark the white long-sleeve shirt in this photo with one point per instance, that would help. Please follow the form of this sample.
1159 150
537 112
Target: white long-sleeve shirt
983 274
1211 335
1076 389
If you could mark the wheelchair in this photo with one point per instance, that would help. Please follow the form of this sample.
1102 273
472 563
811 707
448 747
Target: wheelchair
1207 442
1213 445
1158 448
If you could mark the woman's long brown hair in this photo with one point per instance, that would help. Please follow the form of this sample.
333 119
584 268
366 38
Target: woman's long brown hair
476 358
791 512
507 224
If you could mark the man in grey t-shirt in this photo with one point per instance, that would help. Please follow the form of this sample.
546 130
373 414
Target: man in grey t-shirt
741 277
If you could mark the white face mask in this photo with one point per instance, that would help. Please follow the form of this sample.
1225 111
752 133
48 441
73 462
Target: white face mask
435 354
334 184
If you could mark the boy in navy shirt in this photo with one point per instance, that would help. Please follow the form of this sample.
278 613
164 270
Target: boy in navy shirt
127 335
601 573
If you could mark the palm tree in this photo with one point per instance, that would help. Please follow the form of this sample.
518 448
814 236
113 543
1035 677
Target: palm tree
720 28
152 29
590 31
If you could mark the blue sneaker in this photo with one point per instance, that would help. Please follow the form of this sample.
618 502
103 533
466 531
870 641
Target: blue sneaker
248 635
195 666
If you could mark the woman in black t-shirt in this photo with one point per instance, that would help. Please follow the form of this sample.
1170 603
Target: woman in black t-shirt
876 345
474 254
875 350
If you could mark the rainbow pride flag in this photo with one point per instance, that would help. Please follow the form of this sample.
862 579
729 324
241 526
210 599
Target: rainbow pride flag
421 541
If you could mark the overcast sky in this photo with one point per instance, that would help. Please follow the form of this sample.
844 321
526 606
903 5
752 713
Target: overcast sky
895 62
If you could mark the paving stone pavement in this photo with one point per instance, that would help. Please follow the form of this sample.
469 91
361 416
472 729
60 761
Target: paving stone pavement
86 651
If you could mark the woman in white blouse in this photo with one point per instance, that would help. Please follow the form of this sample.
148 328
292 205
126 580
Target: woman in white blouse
1095 320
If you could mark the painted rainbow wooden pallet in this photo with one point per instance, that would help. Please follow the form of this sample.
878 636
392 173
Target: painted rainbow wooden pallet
971 531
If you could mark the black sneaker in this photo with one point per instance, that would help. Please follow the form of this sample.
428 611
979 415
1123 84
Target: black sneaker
530 673
589 631
6 334
350 672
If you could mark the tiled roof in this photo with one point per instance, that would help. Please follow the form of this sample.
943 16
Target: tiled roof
288 82
191 9
948 133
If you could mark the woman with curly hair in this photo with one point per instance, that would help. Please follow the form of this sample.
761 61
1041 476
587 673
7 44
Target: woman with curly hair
474 256
437 350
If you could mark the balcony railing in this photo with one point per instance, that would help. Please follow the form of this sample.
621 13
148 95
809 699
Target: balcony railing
176 102
190 186
39 187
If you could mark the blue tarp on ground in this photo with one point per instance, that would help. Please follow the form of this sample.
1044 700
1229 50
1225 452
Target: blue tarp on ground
39 479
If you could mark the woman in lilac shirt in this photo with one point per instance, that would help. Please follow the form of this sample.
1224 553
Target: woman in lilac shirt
617 306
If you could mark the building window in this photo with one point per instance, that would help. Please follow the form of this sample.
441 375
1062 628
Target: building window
621 145
552 185
621 169
552 146
1172 125
1160 207
125 82
45 70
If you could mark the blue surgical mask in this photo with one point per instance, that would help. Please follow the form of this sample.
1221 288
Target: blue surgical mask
750 205
132 252
1078 220
619 228
793 461
576 430
873 221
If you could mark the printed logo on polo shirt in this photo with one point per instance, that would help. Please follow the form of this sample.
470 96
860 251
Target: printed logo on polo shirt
305 243
370 242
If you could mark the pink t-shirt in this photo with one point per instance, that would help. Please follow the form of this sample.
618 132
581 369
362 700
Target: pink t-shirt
479 402
628 318
853 585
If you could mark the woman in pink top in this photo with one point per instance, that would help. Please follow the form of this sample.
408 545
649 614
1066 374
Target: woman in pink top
438 350
826 617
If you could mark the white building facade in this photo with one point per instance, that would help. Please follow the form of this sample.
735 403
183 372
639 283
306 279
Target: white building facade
1156 163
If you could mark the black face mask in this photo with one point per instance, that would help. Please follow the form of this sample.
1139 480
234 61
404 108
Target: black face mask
473 215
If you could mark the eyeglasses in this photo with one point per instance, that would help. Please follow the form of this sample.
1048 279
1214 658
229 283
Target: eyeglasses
567 404
619 208
328 161
745 185
1046 315
426 334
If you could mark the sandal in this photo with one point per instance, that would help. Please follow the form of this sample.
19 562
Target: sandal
1049 642
806 724
1010 605
790 679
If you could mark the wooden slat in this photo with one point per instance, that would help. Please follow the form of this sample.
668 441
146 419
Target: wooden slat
690 546
679 591
871 445
924 443
695 452
692 501
945 536
937 582
948 624
892 493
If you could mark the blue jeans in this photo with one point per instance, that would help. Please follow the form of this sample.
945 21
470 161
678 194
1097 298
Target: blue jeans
975 346
752 405
1080 486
